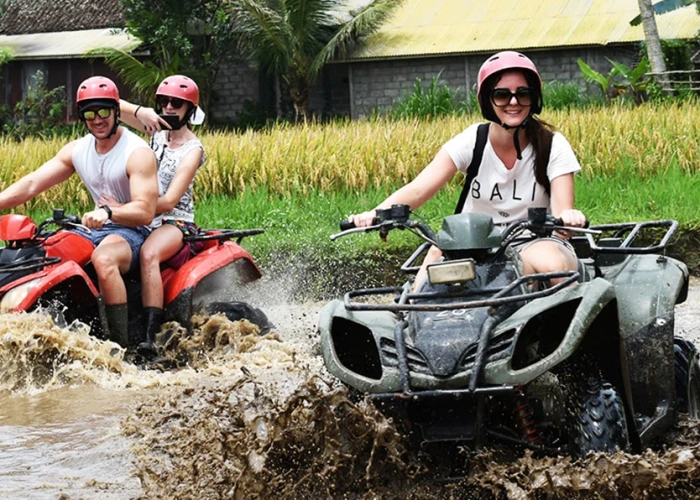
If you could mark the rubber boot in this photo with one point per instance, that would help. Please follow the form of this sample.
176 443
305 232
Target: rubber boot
154 319
118 322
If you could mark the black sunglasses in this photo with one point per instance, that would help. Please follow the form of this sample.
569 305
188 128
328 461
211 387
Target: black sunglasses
501 97
175 102
91 114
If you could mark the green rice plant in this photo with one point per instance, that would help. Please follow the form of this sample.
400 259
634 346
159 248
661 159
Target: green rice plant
364 156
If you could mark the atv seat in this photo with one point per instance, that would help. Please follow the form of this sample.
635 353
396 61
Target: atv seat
189 249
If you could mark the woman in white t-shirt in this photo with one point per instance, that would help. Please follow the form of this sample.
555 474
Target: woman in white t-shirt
525 164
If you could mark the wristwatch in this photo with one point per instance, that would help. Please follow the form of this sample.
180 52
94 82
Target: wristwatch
108 210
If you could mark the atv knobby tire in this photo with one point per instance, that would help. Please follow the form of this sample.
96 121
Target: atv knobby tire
687 370
598 420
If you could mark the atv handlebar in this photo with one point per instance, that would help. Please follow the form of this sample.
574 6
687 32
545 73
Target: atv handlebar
61 219
539 222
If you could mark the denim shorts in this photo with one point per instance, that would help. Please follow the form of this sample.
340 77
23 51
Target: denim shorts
134 236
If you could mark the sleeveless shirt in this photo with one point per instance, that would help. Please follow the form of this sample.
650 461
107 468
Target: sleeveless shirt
106 173
168 163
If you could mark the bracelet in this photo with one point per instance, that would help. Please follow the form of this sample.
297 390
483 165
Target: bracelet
136 112
108 210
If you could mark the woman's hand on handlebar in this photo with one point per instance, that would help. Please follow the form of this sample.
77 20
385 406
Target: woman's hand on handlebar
571 218
364 219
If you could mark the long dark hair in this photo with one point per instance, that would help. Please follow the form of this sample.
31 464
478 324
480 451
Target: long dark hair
540 134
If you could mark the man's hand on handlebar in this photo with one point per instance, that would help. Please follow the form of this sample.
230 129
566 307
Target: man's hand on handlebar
95 219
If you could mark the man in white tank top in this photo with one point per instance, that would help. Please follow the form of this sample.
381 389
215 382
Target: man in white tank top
110 160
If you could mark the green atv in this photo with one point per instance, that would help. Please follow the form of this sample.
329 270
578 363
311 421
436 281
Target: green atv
482 353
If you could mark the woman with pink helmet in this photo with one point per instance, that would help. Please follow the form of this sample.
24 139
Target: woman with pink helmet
180 154
524 163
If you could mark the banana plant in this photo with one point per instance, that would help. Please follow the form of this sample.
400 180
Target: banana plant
635 79
595 77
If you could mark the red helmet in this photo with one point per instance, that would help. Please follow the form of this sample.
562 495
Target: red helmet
503 61
97 90
179 86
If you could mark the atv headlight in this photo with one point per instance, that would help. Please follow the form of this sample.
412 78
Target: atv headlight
455 271
14 297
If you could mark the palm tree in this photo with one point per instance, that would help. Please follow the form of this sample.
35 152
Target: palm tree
654 50
651 33
293 39
667 6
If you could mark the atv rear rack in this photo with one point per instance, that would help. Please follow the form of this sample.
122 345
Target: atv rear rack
634 229
499 295
223 234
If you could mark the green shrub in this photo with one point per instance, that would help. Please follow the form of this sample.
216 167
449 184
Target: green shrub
429 102
41 113
560 95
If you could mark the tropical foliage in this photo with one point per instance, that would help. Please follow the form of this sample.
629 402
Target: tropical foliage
620 81
293 39
665 6
182 36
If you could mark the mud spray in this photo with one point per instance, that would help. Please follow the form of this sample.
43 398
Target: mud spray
228 413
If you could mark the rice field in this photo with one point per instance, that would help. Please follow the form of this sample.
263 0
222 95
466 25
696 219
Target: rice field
619 147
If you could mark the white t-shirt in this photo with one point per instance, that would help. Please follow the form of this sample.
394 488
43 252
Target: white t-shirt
505 194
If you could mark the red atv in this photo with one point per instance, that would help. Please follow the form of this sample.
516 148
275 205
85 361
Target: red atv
48 266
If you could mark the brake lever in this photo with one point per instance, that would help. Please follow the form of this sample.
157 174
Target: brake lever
353 230
577 229
79 226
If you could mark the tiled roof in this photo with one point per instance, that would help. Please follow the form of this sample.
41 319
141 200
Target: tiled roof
43 16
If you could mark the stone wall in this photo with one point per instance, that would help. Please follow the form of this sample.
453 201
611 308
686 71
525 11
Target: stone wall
358 89
377 84
235 83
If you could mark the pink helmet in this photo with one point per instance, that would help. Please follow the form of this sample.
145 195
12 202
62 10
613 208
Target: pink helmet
181 87
97 90
503 61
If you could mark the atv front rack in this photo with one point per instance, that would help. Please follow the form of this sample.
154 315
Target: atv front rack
499 297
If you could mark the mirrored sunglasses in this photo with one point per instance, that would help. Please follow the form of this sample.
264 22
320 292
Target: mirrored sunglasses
174 102
501 97
91 114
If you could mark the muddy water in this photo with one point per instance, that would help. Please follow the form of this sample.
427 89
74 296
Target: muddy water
246 416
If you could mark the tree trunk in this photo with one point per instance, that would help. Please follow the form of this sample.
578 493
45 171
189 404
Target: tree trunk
299 92
654 51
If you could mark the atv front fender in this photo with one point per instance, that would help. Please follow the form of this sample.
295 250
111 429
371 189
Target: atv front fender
350 346
567 315
50 280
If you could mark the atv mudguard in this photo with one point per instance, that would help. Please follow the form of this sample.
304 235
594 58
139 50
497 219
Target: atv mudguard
58 275
69 246
211 275
647 288
359 365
